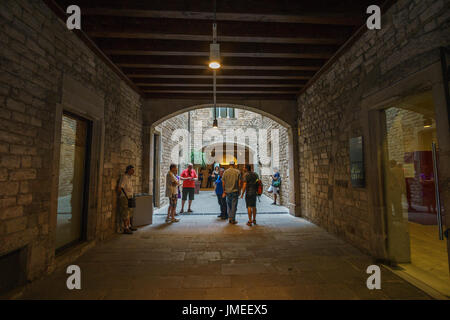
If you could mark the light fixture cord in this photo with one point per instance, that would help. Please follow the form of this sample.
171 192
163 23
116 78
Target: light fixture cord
214 71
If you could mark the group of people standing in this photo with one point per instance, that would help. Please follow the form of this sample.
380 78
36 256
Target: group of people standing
173 183
229 186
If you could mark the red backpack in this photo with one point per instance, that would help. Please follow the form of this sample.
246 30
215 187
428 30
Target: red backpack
259 187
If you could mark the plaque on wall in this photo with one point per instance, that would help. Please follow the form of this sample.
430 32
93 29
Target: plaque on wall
357 173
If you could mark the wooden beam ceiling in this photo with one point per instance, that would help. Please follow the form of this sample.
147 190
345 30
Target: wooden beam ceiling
269 49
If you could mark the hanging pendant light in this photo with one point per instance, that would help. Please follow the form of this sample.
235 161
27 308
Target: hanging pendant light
214 51
214 62
214 47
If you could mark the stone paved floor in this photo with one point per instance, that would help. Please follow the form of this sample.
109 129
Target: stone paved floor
206 203
202 257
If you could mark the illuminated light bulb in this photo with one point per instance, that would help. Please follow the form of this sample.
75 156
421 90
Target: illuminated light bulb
214 65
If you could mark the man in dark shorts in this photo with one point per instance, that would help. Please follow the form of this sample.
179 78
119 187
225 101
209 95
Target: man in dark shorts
250 188
188 176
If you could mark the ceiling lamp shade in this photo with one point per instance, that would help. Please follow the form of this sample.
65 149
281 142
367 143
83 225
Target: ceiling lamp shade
214 52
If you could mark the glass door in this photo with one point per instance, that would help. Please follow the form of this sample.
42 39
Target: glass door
411 150
73 179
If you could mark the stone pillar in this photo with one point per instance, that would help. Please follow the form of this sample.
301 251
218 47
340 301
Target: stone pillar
294 171
146 163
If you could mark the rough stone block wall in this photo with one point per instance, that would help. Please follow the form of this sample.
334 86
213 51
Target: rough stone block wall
166 130
244 119
330 111
36 51
247 119
66 161
123 147
283 160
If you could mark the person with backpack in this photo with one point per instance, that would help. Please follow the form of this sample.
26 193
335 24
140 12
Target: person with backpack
250 188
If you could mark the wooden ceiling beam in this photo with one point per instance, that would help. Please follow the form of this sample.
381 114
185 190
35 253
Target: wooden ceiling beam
220 82
201 48
220 72
299 55
221 98
191 37
231 63
201 30
225 67
342 12
228 85
329 18
223 92
181 76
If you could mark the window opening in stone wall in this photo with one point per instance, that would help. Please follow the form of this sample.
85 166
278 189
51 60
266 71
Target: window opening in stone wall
225 112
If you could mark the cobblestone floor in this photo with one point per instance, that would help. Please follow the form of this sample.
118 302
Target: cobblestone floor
202 257
205 203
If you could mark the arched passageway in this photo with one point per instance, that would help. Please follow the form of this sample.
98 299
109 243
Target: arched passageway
270 143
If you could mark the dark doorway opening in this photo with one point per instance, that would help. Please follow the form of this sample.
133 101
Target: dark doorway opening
12 270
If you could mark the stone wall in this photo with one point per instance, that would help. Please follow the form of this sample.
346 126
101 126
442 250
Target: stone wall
123 146
243 120
66 161
330 112
36 52
247 119
283 160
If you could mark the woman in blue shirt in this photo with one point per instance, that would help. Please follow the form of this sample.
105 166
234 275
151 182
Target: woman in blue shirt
276 184
219 191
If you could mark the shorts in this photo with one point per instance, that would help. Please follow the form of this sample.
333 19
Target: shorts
276 190
250 201
125 212
186 192
173 201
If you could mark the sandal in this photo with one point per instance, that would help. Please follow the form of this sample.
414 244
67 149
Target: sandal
249 223
254 221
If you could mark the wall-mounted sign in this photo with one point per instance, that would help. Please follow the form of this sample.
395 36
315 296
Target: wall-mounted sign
357 173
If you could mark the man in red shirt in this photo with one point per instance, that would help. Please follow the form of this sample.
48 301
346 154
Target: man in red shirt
188 176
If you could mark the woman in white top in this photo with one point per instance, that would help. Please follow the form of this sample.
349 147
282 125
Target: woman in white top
125 189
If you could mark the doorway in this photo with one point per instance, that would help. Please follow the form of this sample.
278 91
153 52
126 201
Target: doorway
156 167
73 185
414 222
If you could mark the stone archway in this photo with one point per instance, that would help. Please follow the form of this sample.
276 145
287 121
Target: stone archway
161 110
282 111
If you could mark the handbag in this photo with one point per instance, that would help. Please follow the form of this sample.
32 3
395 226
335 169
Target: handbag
131 201
270 190
276 183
